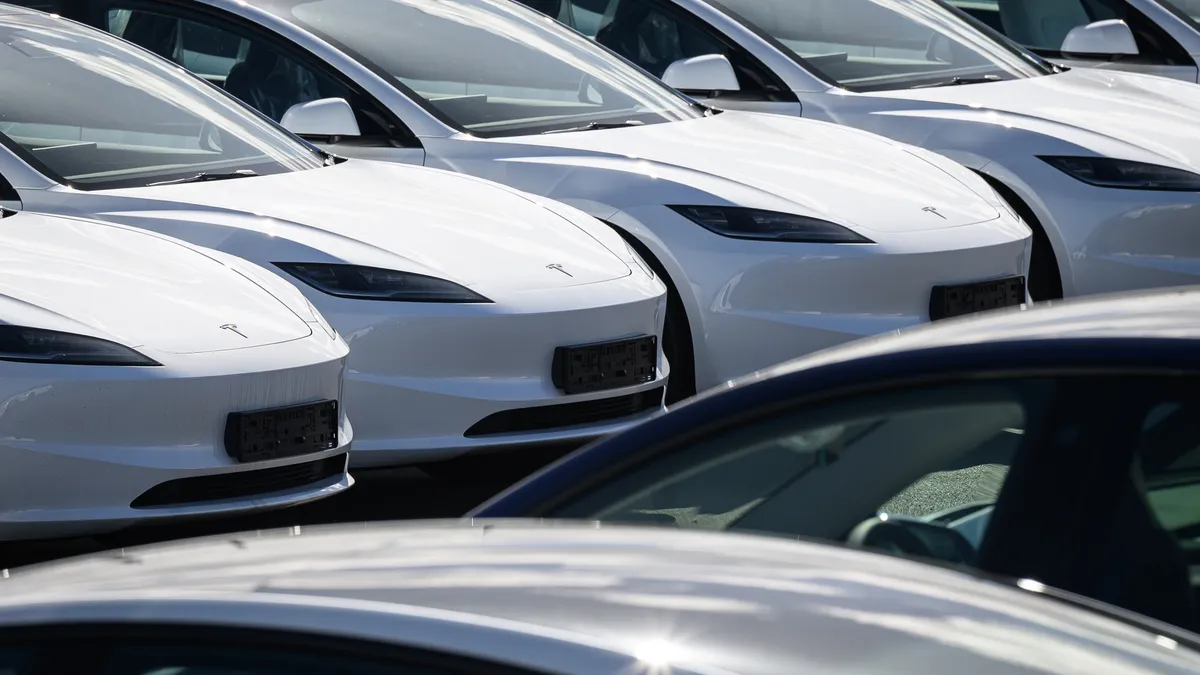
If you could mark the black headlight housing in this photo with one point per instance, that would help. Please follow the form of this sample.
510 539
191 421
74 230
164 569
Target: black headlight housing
1123 174
743 223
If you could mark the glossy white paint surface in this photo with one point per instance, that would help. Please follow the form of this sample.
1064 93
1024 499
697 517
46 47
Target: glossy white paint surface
420 374
1103 239
587 599
749 303
79 443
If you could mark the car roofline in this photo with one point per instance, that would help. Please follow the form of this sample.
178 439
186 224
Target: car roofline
751 397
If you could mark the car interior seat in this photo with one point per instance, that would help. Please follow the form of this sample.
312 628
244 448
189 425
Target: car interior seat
154 32
270 83
1042 24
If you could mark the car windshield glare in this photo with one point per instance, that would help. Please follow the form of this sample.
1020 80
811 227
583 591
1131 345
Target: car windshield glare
876 45
493 67
1189 10
94 112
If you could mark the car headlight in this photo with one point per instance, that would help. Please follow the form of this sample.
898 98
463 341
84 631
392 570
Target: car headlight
742 223
38 345
1125 174
372 283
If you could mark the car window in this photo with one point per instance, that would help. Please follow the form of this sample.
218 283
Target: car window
16 661
250 70
868 45
1169 459
1043 24
938 455
654 34
522 74
144 120
164 658
1188 10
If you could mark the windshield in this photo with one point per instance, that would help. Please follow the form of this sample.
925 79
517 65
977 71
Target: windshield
493 67
94 112
874 45
1185 9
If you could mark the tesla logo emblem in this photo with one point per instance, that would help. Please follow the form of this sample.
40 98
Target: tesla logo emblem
930 209
232 327
558 267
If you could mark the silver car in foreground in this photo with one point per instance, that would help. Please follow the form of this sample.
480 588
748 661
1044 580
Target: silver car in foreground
507 597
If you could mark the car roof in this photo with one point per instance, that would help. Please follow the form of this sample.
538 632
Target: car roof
1141 332
1172 314
739 602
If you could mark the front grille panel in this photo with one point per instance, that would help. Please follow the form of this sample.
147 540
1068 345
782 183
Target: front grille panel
550 417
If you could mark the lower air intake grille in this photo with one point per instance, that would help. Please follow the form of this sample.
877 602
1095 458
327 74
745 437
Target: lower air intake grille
550 417
243 484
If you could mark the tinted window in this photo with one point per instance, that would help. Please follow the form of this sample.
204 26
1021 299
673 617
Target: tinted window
207 659
250 70
884 44
89 109
522 73
938 455
1039 24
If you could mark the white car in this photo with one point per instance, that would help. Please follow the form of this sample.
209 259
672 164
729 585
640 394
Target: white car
478 317
1104 166
518 598
143 379
1159 37
777 236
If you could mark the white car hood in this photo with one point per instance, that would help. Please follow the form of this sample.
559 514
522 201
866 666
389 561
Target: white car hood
843 174
464 229
1154 114
132 287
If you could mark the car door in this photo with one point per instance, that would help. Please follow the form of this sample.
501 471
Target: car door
1000 474
653 34
1043 26
263 71
130 648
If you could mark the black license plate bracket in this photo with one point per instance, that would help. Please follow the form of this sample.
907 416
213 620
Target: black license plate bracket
605 365
960 299
277 433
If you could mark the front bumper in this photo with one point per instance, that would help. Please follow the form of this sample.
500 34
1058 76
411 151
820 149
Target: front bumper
88 450
428 382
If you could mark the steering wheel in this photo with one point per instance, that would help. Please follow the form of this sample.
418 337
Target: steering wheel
876 533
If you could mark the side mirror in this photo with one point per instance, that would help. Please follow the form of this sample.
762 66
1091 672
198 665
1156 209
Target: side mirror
327 117
711 72
1102 37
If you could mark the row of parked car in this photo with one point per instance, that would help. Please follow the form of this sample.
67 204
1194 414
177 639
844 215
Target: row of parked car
554 244
217 298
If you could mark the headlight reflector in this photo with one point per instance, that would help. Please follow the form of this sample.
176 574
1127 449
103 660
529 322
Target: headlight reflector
39 345
743 223
373 283
1124 174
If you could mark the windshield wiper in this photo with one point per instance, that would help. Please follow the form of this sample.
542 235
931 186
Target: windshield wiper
597 125
205 176
959 80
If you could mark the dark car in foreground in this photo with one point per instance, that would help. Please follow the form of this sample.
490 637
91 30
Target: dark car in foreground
1059 443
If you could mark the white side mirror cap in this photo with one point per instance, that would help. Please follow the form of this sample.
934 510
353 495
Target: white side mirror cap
1102 37
711 72
323 117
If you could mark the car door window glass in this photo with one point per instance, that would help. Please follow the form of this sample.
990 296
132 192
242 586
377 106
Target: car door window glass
1169 461
868 45
142 122
937 455
161 658
250 70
